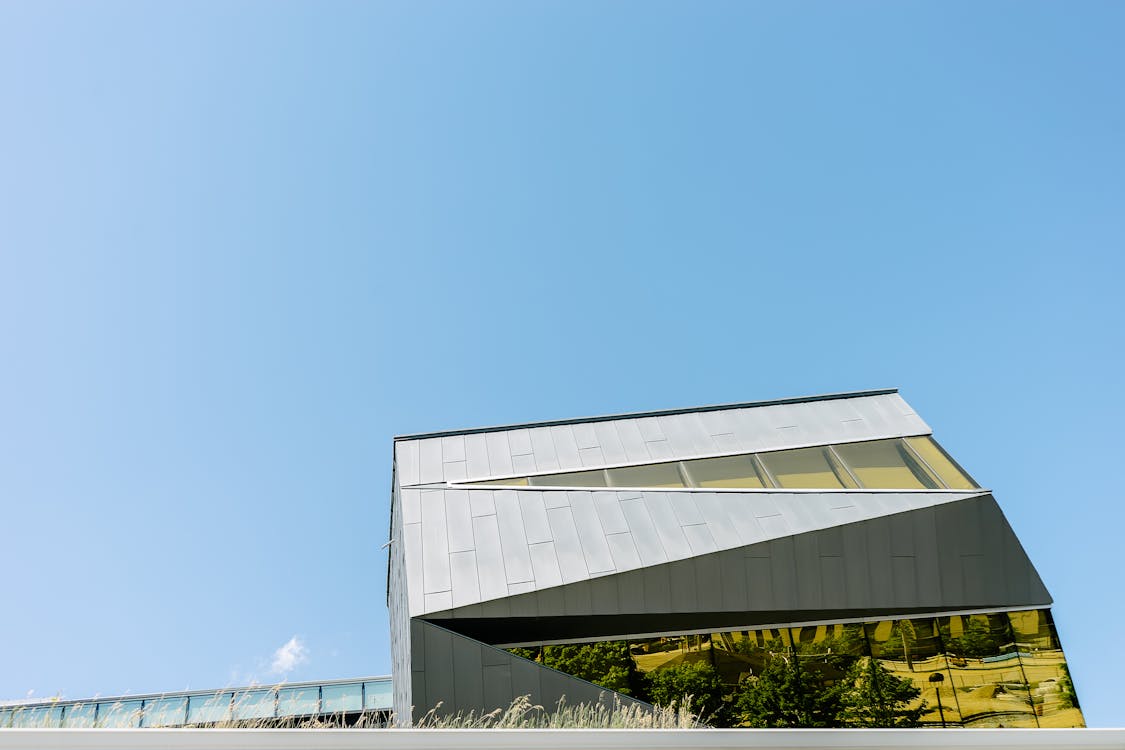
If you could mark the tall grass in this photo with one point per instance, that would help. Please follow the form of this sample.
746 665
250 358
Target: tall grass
523 714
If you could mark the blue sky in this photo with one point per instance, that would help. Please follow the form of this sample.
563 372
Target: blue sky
244 244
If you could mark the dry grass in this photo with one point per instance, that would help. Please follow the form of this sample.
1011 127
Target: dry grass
523 714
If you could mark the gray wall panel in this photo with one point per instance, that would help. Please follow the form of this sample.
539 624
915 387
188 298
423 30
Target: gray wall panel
534 514
429 461
543 446
513 537
567 545
490 558
476 457
435 546
459 521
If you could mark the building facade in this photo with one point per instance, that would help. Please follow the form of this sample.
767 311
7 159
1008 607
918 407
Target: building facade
805 562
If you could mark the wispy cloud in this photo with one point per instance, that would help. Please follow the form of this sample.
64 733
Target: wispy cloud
289 656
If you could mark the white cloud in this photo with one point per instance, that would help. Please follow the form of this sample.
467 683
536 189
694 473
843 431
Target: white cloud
289 656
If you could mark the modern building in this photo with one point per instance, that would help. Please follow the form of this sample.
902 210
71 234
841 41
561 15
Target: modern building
827 543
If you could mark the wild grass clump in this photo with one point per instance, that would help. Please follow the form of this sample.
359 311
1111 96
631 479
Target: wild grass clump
523 714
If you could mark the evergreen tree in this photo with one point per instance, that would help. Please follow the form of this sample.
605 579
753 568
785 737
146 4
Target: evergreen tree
872 696
698 681
776 697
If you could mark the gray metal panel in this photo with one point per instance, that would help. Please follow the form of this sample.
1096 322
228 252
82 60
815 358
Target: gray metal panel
700 539
667 525
556 500
595 548
430 463
435 545
463 571
406 463
609 512
645 536
566 449
481 503
410 502
524 464
412 544
834 570
612 448
585 436
545 565
543 446
567 544
534 514
476 457
715 513
453 449
519 441
623 551
513 538
632 441
499 454
490 558
459 521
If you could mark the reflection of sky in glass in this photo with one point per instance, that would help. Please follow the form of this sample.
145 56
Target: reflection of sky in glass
297 701
342 698
377 694
254 704
81 715
205 709
164 712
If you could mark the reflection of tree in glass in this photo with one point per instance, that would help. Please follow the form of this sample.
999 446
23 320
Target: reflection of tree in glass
607 663
1069 698
976 640
902 640
775 697
700 682
874 697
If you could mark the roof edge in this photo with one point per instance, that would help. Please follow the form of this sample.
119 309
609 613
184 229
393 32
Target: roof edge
658 413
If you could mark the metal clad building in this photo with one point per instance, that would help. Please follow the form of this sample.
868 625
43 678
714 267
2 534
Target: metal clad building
719 535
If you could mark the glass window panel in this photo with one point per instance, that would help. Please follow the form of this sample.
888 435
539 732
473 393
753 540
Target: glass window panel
912 652
933 455
5 717
1044 666
298 701
571 479
338 699
652 475
885 464
804 468
209 709
254 704
729 471
512 482
119 714
31 718
79 716
986 673
164 712
377 695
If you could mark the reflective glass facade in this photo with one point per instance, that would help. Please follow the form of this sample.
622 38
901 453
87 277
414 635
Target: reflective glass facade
347 702
984 670
914 463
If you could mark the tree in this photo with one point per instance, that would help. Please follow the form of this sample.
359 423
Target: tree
776 697
606 663
698 681
872 696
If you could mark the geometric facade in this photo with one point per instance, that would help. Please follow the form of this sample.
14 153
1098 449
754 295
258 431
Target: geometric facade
828 544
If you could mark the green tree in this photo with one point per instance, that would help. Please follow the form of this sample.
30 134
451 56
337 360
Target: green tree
607 663
777 697
698 681
872 696
975 641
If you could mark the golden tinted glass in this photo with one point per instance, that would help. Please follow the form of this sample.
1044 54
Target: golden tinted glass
729 471
933 455
804 468
572 479
1044 666
912 650
885 464
652 475
511 482
985 669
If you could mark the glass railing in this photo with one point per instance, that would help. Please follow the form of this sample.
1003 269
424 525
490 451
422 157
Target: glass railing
337 699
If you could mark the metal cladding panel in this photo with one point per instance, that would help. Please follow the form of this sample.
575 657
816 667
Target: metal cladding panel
456 674
598 533
608 442
822 575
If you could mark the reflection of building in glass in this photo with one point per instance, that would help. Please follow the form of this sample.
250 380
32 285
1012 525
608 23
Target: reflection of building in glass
808 562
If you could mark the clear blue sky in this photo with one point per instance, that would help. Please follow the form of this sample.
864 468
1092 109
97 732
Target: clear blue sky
243 244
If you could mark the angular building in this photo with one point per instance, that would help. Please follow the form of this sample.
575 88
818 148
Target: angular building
829 540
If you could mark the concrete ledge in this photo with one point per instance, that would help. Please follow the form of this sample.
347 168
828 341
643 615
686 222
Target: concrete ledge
558 739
